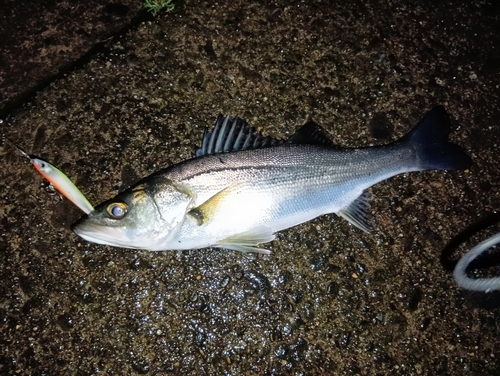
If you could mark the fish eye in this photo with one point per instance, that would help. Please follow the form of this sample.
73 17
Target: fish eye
117 210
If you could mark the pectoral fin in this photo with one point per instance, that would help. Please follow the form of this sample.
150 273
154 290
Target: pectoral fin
358 212
247 241
206 211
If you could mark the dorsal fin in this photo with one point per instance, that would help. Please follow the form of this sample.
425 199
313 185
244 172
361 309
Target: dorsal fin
232 135
312 134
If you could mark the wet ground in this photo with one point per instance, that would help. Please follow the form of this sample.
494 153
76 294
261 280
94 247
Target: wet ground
329 299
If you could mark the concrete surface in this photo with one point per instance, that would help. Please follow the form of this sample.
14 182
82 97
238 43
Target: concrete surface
329 299
42 40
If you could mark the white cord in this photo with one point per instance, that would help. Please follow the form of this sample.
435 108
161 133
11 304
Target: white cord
478 284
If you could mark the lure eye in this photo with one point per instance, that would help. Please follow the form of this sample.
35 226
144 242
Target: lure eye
117 210
41 165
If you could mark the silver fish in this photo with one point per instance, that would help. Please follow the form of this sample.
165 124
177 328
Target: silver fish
241 187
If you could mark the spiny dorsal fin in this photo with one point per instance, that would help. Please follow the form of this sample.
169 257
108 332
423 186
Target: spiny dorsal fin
358 212
232 135
312 134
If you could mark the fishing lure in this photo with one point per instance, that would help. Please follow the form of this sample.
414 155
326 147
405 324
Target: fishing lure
479 284
60 182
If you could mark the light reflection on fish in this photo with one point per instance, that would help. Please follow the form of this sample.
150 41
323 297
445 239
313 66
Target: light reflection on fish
241 187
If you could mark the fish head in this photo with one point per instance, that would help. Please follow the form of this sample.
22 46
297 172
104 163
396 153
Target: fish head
146 216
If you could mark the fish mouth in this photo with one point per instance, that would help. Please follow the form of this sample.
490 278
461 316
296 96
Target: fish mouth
106 235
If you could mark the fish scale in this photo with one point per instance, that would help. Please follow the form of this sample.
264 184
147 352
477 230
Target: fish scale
311 190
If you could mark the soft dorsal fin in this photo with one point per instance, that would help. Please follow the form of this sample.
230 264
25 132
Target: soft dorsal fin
312 134
232 135
358 212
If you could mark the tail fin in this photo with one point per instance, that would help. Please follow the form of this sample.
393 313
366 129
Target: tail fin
429 138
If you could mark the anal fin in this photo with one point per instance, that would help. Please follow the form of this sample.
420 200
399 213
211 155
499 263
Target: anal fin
358 212
248 241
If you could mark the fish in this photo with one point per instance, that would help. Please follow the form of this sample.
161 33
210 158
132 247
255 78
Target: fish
241 187
59 181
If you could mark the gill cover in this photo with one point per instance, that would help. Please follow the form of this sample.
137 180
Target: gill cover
145 216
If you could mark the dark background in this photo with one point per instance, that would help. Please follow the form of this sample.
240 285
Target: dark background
110 94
